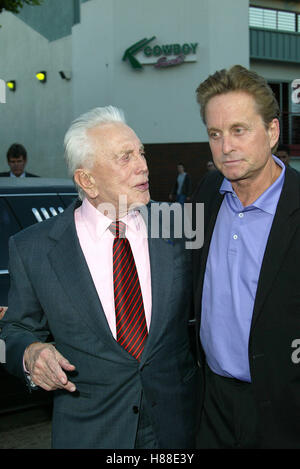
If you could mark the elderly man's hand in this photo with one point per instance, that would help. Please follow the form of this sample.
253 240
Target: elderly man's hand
2 311
45 365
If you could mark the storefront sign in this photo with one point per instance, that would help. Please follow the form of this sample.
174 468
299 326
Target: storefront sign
161 56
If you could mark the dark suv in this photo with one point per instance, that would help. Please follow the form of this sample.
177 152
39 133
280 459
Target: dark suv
23 202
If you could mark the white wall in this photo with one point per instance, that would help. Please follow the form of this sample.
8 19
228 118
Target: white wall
273 71
36 115
159 104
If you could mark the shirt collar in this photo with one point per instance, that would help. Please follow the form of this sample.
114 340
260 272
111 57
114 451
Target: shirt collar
12 175
268 200
97 223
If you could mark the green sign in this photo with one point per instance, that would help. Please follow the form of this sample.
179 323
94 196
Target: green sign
160 52
134 49
171 49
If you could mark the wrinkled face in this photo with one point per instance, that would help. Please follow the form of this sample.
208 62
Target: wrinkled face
239 140
17 165
119 168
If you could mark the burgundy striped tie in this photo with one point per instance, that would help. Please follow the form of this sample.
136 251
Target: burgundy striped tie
130 315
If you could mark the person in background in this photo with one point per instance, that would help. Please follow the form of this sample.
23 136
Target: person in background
16 160
283 153
182 188
246 276
210 166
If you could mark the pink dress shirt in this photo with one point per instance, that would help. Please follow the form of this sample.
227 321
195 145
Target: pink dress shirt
96 242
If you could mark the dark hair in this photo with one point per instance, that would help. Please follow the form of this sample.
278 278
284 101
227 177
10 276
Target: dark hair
15 151
282 147
239 78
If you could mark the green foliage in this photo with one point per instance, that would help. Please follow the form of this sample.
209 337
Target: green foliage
15 5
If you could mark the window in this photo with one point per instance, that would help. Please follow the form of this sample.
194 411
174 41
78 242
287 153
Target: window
9 226
274 19
30 209
286 21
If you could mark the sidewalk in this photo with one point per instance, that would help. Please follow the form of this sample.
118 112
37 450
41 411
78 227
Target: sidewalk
27 429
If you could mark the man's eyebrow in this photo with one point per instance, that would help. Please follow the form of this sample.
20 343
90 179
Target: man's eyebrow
235 124
209 129
239 124
129 151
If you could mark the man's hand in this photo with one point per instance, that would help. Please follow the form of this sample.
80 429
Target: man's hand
45 365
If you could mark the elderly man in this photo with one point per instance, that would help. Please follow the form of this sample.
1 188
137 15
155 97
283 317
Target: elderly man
247 289
115 302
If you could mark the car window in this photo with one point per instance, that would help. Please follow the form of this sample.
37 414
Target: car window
9 226
68 198
4 287
30 209
19 211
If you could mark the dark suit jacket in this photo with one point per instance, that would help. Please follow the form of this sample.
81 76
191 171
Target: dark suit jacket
52 292
28 175
276 315
186 186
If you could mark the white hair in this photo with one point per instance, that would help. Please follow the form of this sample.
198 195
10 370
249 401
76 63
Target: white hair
78 148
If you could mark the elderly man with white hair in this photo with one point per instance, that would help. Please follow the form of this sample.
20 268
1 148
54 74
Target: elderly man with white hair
114 301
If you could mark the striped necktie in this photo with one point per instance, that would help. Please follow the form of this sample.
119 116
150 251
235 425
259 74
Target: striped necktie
129 307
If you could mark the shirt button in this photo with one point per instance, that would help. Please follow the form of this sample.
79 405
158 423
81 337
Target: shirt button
135 409
235 236
241 215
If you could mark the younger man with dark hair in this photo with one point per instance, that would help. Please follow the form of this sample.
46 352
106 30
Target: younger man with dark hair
17 159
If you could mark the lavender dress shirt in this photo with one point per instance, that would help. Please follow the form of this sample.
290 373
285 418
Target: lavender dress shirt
232 271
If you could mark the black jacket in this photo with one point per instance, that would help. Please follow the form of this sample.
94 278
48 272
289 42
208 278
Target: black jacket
274 355
28 175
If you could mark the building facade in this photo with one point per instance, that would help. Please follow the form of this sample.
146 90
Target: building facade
148 59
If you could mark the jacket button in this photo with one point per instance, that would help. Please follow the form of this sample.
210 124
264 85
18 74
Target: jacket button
135 409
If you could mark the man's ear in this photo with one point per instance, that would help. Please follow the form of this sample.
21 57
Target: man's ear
86 181
274 131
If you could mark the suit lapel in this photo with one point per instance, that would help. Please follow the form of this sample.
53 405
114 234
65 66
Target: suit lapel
285 223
